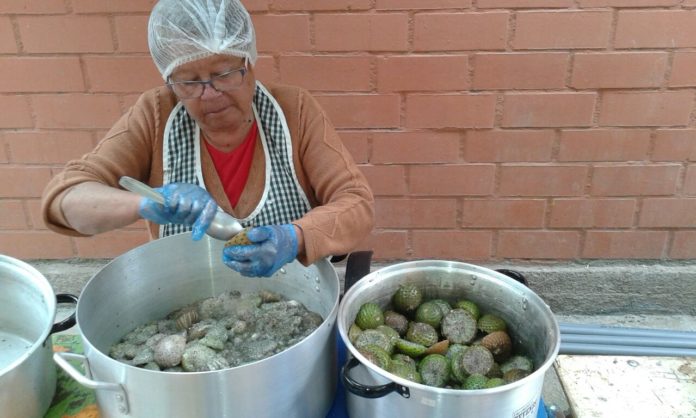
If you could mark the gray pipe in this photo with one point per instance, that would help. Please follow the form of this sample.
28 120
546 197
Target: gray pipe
631 341
623 350
625 332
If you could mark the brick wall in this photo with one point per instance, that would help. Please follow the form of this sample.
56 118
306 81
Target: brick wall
489 129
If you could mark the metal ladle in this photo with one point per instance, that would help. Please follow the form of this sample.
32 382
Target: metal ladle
223 226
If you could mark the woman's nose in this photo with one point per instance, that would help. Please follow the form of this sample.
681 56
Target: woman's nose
209 92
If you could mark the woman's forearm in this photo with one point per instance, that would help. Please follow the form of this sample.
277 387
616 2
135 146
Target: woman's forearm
92 208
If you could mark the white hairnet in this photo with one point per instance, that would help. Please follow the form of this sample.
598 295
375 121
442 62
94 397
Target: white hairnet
181 31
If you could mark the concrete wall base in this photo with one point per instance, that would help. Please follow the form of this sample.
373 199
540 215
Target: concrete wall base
593 288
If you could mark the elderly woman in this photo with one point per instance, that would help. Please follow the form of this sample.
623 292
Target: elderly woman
213 135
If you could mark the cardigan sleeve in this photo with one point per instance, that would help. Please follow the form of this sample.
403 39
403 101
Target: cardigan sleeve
127 149
342 216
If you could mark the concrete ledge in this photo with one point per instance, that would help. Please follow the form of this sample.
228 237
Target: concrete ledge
595 288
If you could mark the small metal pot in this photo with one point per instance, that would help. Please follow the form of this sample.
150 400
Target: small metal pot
27 315
153 280
373 392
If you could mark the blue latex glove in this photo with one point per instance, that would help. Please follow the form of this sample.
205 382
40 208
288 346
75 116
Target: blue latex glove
272 247
184 203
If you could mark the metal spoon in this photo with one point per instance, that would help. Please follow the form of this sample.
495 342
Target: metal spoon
223 226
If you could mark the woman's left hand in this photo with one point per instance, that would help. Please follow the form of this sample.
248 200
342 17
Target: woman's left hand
271 248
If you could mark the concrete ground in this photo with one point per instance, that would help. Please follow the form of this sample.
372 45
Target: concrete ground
635 294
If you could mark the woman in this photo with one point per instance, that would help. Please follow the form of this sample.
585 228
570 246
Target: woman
214 135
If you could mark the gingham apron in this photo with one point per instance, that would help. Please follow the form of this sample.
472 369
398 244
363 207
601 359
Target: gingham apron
283 199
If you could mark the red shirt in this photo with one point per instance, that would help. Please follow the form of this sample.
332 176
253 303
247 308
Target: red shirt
233 167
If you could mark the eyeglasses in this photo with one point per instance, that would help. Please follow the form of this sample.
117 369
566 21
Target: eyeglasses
229 80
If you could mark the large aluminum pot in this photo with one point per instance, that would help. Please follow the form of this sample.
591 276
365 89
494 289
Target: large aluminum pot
153 280
27 315
373 392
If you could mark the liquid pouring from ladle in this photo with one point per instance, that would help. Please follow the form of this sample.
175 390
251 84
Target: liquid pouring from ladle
223 227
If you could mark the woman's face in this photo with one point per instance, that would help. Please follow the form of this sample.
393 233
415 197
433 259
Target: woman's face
218 111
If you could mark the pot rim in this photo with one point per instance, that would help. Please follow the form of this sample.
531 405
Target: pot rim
323 266
39 282
444 391
333 315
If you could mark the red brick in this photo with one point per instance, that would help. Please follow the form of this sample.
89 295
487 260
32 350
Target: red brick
32 6
668 212
542 180
683 74
8 44
110 6
47 74
548 109
562 29
362 110
35 214
668 108
40 34
43 147
415 147
625 244
21 182
604 145
388 245
4 156
690 181
12 215
675 145
503 213
452 180
627 3
368 32
422 4
356 143
121 74
282 33
683 245
452 245
15 112
451 31
76 111
110 244
26 245
256 5
305 5
415 213
265 70
538 245
450 110
593 213
619 69
127 101
629 180
655 29
423 73
520 70
386 180
508 145
131 33
328 73
519 4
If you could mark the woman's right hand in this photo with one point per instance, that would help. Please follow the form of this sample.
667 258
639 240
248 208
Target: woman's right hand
185 204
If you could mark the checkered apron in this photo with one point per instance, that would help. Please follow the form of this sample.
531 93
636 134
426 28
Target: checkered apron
283 199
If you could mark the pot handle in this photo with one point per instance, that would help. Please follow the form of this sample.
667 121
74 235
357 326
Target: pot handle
370 392
85 379
68 322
